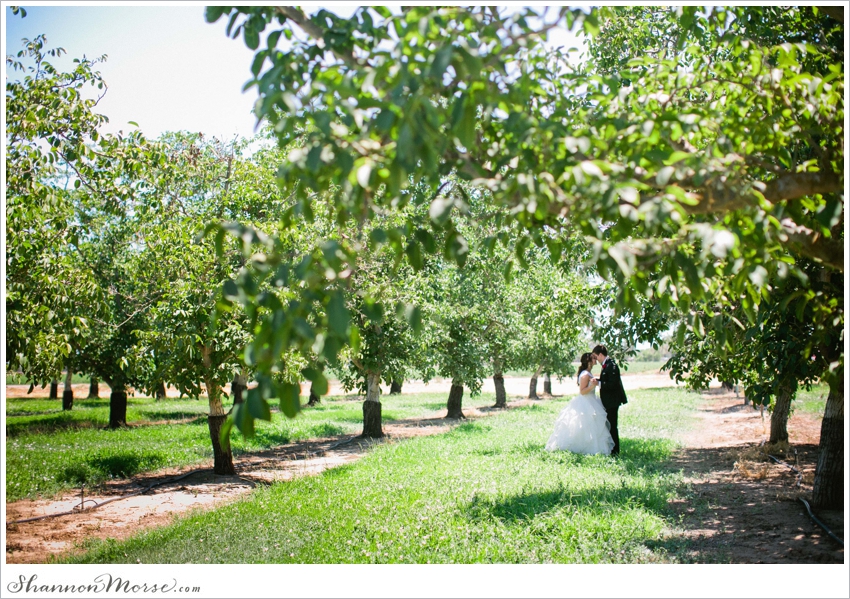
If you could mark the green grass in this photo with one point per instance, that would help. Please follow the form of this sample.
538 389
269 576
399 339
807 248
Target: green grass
486 492
49 451
638 367
812 402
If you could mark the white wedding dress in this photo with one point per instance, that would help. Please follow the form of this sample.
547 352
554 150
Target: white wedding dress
582 426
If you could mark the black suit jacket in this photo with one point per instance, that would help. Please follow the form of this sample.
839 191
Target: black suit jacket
611 390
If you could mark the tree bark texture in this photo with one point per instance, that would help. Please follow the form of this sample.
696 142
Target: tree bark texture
314 397
222 455
547 384
532 386
117 408
67 392
372 407
222 458
94 389
54 390
779 417
160 391
501 396
455 401
395 387
237 387
828 490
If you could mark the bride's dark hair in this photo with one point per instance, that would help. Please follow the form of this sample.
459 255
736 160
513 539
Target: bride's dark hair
585 363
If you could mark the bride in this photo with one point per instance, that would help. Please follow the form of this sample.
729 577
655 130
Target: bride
582 426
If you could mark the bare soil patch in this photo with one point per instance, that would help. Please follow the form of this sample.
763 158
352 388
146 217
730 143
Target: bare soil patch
746 508
744 511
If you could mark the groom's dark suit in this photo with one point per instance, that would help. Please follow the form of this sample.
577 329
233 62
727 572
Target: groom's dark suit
612 394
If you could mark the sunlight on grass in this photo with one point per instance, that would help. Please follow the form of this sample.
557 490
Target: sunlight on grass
49 450
485 492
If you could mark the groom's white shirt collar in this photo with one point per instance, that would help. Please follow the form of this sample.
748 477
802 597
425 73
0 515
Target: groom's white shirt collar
605 360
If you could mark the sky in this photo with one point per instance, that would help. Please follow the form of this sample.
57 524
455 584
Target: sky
167 68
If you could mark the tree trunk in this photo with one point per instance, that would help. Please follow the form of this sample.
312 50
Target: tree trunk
547 384
68 392
372 407
781 410
94 389
727 386
455 401
501 396
532 387
222 456
395 387
237 387
828 490
314 397
117 407
160 392
54 390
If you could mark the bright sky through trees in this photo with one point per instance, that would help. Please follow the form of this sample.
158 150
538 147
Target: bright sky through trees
167 69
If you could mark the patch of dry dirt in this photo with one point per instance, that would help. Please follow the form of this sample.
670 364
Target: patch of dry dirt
746 508
744 511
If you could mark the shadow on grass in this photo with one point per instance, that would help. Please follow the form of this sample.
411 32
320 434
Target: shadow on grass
174 415
637 457
51 424
605 497
99 468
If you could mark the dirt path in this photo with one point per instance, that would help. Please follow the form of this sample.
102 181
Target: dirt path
744 512
746 508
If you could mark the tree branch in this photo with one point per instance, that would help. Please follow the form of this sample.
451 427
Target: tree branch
719 197
297 16
828 251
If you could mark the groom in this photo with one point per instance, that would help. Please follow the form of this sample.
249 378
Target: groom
611 391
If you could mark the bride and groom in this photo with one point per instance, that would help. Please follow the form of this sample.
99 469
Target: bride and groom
589 422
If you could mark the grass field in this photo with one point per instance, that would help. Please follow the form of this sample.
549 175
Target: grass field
485 492
49 450
812 401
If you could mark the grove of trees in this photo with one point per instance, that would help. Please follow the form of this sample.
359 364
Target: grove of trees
443 193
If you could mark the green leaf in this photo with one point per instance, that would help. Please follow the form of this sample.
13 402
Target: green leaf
242 417
414 255
338 316
440 210
288 394
317 377
676 157
230 290
213 13
441 61
258 407
413 314
273 38
252 38
224 433
378 236
257 64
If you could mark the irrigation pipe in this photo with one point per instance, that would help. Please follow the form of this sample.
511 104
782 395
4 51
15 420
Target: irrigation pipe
821 524
102 503
799 474
806 503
